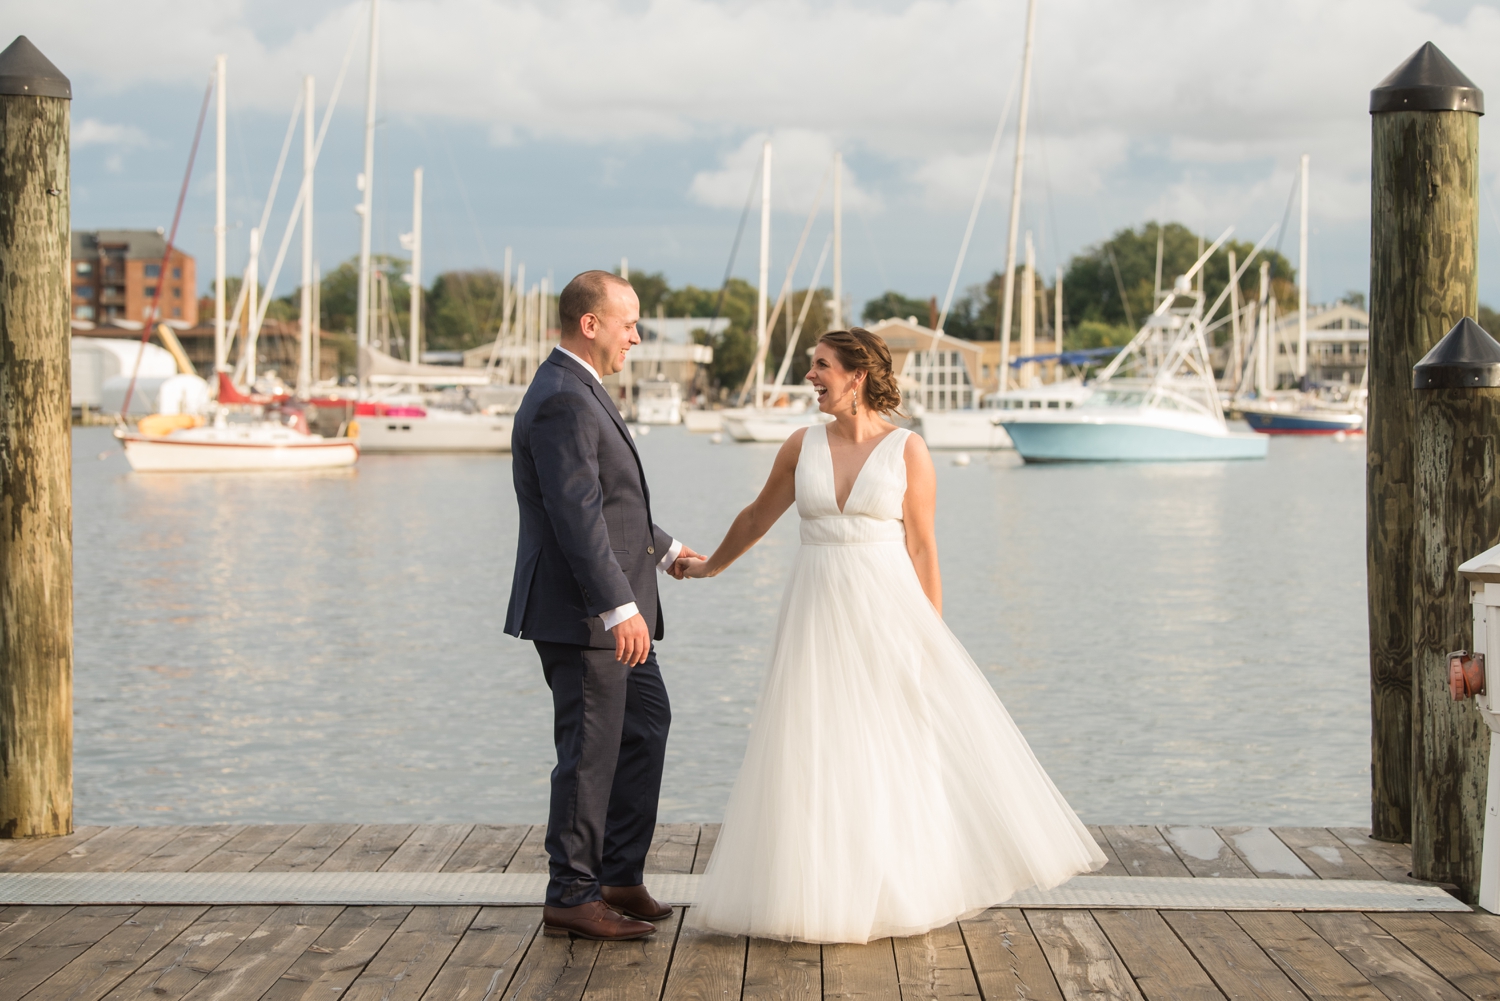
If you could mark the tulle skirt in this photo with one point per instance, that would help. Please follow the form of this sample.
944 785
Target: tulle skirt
885 789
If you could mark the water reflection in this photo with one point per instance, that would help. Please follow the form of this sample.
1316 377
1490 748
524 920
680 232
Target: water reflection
1179 642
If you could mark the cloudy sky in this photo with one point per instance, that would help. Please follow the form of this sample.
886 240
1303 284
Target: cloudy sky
581 131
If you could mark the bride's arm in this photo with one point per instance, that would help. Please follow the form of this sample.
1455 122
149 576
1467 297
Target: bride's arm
756 520
918 510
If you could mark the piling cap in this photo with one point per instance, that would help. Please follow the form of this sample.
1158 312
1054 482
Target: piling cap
1428 81
25 72
1466 358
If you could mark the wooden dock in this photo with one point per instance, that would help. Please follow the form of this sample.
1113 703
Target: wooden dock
239 953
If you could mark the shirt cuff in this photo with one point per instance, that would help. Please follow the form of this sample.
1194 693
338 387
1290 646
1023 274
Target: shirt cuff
673 551
616 616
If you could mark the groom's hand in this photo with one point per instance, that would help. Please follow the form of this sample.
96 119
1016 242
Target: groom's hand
687 553
632 641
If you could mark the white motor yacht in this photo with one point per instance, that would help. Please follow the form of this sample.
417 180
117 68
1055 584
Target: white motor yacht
983 428
658 401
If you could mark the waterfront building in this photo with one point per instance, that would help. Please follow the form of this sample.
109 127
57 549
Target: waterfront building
1338 344
117 272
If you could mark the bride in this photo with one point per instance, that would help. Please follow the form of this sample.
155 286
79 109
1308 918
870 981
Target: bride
885 789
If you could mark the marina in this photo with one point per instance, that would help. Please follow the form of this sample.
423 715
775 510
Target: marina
1169 940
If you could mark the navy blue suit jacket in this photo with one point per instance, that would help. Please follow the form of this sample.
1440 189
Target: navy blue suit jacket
587 543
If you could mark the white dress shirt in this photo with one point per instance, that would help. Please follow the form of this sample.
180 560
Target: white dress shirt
615 616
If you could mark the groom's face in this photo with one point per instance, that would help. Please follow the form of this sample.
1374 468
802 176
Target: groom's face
614 328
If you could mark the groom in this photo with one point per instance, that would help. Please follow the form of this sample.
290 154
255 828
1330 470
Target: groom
584 593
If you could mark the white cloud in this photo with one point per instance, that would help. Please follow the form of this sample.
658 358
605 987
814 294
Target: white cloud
800 161
92 132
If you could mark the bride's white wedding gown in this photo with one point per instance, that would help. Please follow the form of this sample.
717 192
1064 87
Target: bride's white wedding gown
885 789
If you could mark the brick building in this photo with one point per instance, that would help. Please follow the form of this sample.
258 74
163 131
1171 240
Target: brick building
116 273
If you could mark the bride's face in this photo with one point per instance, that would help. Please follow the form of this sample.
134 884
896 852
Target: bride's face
836 385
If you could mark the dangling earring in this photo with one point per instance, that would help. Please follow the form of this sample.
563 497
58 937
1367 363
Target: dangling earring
854 404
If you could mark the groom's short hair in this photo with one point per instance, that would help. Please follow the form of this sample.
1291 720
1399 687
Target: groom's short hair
586 293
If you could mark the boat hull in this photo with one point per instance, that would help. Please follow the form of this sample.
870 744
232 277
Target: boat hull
1084 441
703 421
768 429
148 454
459 433
967 429
1304 423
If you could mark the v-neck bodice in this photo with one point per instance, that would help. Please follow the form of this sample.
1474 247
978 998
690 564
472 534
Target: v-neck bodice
872 512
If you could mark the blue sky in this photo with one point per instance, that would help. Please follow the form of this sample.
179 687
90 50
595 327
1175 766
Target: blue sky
580 132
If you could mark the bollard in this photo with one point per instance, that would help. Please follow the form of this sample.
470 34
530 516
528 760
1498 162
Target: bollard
36 541
1457 507
1424 235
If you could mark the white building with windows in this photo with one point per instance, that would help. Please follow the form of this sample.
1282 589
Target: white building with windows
1338 344
935 372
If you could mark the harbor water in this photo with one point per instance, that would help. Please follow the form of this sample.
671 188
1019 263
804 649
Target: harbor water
1180 643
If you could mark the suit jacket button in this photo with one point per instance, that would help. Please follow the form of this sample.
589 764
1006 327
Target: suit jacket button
650 550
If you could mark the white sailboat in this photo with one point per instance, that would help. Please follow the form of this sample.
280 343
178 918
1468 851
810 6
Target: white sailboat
1169 413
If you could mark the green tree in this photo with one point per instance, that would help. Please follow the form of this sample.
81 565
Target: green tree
894 305
1091 285
463 309
651 288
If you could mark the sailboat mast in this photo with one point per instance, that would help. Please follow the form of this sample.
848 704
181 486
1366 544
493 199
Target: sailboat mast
761 340
1028 313
1265 357
416 265
1015 198
305 331
252 279
1302 283
1234 323
366 207
838 241
221 228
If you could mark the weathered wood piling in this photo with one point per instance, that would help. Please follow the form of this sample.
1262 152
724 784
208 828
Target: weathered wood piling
1424 237
1457 508
36 542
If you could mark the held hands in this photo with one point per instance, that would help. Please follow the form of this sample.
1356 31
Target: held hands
690 567
685 554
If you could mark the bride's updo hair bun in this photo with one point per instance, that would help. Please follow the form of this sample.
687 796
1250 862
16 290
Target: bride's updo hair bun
859 350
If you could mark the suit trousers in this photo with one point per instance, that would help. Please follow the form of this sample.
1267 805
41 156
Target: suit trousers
610 726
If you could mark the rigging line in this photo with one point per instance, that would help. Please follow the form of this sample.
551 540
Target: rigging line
166 259
286 145
286 236
484 253
1281 231
734 248
807 298
1120 284
984 184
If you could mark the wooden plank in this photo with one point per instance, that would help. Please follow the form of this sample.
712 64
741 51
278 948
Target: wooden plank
1114 867
934 965
18 924
308 848
1313 964
412 957
708 836
672 848
1230 956
1162 966
1391 860
1008 961
1325 854
485 959
204 944
191 846
1081 957
1483 929
783 971
428 848
247 849
1461 962
249 971
115 850
861 972
331 963
368 848
1204 852
488 848
55 946
117 955
532 855
555 969
634 971
1265 853
1380 959
28 854
706 967
1144 852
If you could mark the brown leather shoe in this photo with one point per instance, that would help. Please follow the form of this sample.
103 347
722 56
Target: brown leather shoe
635 902
593 920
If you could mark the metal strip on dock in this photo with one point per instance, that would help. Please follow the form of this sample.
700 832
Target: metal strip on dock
527 889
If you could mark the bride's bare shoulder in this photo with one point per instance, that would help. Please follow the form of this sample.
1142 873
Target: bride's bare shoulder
791 449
